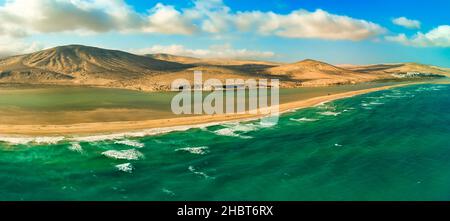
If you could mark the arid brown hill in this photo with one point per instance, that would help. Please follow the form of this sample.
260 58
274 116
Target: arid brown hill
315 73
399 68
83 65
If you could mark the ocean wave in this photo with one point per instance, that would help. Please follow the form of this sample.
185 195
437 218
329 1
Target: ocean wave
369 105
326 106
124 135
168 192
126 167
395 96
194 171
229 132
267 122
247 127
130 143
16 140
28 140
233 129
76 147
432 88
194 150
123 154
138 134
242 127
330 113
304 119
376 97
349 109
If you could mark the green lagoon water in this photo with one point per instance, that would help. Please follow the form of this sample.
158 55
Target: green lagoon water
387 145
55 105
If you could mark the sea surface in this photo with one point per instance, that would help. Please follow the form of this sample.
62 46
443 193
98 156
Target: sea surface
387 145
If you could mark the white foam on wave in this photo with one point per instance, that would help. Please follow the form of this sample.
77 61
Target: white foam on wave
440 87
123 154
396 95
28 140
130 143
330 113
242 127
432 88
232 129
324 104
76 147
268 122
304 119
168 192
194 150
379 97
144 133
229 132
194 171
131 134
126 167
326 107
17 140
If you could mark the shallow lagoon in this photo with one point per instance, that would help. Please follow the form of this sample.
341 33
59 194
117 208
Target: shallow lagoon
54 105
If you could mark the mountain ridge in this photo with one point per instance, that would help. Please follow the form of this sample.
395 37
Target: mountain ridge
93 66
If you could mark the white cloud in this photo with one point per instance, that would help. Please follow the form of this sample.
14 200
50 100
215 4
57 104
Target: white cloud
97 16
212 15
10 46
216 17
22 17
47 16
407 23
304 24
438 37
214 51
166 19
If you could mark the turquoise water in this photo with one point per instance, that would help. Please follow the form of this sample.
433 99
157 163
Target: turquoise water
388 145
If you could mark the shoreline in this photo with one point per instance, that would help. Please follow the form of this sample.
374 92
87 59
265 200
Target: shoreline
116 130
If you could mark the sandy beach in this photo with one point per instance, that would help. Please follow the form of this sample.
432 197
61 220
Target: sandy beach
85 129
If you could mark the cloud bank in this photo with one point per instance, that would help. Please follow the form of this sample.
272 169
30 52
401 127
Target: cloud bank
406 23
20 18
304 24
214 51
438 37
10 46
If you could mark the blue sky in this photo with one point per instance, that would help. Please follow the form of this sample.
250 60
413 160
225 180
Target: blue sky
335 31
